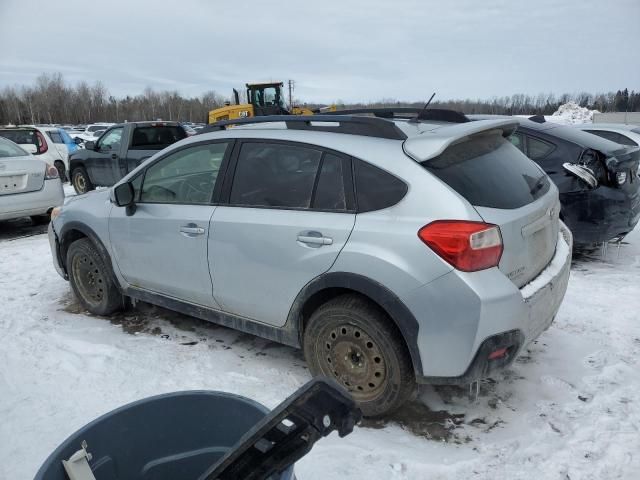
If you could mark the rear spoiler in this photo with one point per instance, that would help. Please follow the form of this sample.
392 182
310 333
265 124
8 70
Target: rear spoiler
623 159
432 143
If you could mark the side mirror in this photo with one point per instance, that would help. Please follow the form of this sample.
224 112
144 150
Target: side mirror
90 145
123 194
77 140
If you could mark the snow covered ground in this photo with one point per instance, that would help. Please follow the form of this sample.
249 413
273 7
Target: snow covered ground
569 408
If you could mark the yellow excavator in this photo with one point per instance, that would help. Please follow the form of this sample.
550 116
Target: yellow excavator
262 99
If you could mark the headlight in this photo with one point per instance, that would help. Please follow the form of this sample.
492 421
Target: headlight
621 177
55 212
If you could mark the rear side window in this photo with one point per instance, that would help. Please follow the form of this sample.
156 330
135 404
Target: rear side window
375 188
55 136
538 149
489 171
275 175
156 137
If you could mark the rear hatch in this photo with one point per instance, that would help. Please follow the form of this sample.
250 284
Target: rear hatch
21 175
509 190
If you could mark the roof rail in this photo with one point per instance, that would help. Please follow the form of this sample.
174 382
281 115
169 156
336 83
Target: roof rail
365 126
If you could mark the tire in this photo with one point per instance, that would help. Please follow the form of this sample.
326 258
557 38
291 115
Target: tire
81 181
353 341
91 280
61 170
40 219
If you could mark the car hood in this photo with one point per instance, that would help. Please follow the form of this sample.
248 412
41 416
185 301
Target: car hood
90 195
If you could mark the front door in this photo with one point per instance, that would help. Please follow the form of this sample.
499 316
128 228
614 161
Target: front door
162 247
289 213
104 165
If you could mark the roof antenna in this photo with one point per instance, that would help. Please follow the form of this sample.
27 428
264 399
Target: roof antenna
415 119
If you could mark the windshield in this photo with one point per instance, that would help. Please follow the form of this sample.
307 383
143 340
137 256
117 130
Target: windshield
10 149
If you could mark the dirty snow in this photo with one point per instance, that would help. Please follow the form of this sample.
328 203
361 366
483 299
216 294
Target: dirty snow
568 408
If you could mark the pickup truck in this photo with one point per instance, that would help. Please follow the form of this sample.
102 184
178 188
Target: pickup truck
120 149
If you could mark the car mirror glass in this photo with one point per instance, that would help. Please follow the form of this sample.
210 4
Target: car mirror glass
123 194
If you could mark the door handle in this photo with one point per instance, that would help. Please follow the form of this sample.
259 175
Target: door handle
191 230
314 238
114 156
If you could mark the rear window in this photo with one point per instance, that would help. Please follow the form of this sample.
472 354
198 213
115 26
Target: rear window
9 149
614 137
21 137
156 137
489 171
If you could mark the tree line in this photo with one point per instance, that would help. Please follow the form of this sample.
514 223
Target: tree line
52 100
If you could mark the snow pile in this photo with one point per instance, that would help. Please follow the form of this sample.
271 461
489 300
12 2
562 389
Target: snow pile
571 113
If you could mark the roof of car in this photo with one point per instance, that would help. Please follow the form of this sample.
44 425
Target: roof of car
145 123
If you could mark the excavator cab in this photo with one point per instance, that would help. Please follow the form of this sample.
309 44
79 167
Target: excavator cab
266 98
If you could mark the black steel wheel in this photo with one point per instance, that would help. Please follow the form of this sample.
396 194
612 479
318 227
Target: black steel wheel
90 279
351 340
81 181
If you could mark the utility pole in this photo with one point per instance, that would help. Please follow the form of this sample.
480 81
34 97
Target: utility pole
290 82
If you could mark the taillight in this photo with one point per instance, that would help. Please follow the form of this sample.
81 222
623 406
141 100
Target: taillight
42 143
50 172
468 246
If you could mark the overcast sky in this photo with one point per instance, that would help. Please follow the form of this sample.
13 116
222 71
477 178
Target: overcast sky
333 49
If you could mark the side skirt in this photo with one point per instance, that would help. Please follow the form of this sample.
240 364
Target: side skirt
284 335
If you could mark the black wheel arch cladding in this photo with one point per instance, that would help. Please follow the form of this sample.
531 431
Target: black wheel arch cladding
397 311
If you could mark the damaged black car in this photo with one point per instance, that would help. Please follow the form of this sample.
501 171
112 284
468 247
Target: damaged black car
597 178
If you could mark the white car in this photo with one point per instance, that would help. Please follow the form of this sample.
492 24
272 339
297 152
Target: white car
91 133
44 142
29 187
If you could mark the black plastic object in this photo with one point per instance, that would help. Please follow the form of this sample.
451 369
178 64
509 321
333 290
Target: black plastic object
365 126
181 435
176 436
288 432
412 113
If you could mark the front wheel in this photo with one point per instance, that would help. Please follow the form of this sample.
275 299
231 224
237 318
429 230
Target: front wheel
90 279
81 181
353 341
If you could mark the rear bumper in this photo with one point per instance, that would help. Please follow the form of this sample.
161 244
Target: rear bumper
32 203
601 214
463 317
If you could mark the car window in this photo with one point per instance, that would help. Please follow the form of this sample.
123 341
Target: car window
537 149
21 137
518 141
111 139
156 137
330 188
275 175
10 149
487 171
187 176
614 137
55 136
375 188
95 128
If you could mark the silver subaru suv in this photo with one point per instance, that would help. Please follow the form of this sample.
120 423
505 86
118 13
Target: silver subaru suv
394 251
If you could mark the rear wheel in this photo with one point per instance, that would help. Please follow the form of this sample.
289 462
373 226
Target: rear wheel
61 170
81 181
90 279
353 341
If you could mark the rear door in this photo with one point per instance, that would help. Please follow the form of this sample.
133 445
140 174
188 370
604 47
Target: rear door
509 190
162 247
289 211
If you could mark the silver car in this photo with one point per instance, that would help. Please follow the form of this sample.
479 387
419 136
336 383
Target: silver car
393 251
29 187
